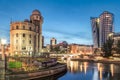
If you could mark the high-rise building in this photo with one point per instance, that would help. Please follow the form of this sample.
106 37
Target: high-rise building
101 27
106 26
95 31
53 42
26 36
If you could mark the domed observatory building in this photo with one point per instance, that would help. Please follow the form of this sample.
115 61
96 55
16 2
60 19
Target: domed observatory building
26 36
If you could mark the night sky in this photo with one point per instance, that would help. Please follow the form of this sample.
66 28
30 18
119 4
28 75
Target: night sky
66 20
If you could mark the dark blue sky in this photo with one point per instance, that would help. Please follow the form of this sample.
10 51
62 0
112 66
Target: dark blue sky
63 19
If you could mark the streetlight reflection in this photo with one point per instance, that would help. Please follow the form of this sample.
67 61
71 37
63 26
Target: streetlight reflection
112 69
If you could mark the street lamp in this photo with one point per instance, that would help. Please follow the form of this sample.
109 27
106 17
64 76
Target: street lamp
3 42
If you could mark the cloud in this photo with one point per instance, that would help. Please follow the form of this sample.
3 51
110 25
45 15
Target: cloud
85 35
70 37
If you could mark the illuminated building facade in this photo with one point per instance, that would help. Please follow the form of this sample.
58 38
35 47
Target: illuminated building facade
80 49
53 42
115 37
26 36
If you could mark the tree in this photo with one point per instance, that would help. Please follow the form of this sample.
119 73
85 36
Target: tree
56 49
118 47
107 48
96 51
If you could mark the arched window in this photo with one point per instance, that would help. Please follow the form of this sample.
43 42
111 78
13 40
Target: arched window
16 41
23 27
16 34
23 35
30 35
23 41
30 42
17 27
30 28
12 27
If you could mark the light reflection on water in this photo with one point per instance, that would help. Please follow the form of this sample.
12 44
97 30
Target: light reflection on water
91 71
87 71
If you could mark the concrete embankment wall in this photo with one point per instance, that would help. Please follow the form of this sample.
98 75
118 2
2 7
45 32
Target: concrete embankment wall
98 61
39 74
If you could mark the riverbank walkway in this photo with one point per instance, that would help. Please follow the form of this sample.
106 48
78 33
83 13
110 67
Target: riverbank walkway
38 74
104 60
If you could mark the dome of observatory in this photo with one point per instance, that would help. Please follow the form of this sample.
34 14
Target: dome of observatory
36 12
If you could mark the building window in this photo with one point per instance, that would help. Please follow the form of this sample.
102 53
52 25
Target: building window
30 35
17 35
23 35
12 27
37 17
16 47
23 41
17 27
16 41
23 48
34 29
23 27
30 42
30 28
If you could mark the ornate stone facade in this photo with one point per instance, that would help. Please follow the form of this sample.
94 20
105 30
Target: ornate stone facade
26 36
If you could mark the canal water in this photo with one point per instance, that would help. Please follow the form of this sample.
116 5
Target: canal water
89 71
85 71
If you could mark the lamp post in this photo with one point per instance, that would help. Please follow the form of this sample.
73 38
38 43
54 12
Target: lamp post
3 42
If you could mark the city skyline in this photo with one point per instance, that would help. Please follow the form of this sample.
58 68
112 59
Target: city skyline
65 20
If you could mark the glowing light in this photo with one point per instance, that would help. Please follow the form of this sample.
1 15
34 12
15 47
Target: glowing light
112 69
3 41
101 69
85 67
81 67
98 20
98 66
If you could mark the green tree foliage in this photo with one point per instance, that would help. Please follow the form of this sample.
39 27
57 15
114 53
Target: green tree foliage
15 64
96 51
107 48
56 49
118 47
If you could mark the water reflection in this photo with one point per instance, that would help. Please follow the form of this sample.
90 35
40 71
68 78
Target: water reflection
91 71
2 74
112 69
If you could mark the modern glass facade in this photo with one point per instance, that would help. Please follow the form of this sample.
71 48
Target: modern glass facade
101 27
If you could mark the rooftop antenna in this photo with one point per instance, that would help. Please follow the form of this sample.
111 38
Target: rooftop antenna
10 20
